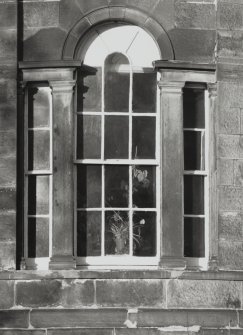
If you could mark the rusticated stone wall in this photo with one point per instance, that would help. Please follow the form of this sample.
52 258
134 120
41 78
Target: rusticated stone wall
8 122
156 303
230 133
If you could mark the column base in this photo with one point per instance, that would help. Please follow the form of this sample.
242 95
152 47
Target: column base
62 263
172 263
213 264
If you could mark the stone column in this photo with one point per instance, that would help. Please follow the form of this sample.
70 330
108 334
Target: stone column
172 245
21 240
213 216
63 202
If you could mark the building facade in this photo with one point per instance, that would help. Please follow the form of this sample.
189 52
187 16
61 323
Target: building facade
121 170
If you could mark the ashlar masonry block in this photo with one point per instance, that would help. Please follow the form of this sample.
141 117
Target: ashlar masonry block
238 173
230 146
203 294
230 16
230 226
225 171
6 294
229 120
54 293
41 14
230 198
120 293
195 15
230 255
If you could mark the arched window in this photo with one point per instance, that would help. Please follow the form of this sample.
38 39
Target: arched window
115 172
117 154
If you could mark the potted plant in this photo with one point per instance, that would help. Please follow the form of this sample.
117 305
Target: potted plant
119 227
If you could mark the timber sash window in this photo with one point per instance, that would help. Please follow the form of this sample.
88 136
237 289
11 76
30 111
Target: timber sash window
117 159
195 131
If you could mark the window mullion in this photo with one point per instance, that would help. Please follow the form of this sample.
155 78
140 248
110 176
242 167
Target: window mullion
103 166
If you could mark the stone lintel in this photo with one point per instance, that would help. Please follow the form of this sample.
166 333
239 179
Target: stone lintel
48 74
189 66
49 64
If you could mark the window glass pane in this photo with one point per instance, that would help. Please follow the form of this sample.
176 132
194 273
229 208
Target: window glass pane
143 137
38 237
193 108
194 244
39 150
116 233
88 136
89 89
144 186
38 195
88 186
144 234
89 234
194 194
144 92
194 150
39 100
116 186
116 137
117 82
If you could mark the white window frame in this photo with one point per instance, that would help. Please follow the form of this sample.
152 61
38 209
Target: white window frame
122 260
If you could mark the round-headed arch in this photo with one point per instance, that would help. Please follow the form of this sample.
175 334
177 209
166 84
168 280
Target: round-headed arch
88 27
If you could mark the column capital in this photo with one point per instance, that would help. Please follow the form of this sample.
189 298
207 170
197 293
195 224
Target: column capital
62 86
212 90
174 87
21 88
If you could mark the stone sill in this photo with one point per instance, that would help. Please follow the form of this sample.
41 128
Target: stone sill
121 274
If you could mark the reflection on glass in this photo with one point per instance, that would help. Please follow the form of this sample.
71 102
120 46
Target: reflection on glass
88 136
144 234
144 186
194 151
38 150
193 108
116 186
193 194
116 233
39 107
144 92
194 240
143 137
116 137
88 233
38 237
38 195
88 186
117 80
89 81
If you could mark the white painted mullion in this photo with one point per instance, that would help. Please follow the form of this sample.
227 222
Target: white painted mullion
130 213
158 147
51 174
103 166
